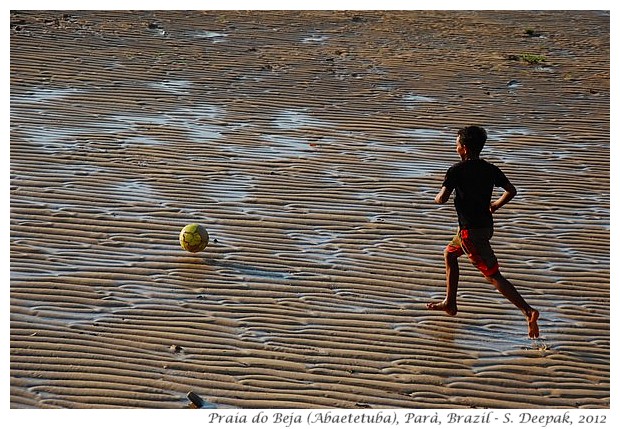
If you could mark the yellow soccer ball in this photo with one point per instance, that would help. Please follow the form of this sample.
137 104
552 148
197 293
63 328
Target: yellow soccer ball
194 237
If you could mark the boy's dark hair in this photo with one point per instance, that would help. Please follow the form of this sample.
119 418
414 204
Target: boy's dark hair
473 137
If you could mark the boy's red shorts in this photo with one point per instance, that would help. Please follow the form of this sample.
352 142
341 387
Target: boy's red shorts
476 244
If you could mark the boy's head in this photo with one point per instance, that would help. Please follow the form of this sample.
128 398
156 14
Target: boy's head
473 138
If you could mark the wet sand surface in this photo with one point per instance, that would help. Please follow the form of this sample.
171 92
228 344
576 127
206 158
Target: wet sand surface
311 145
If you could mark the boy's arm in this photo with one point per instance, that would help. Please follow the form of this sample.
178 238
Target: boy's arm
509 193
443 195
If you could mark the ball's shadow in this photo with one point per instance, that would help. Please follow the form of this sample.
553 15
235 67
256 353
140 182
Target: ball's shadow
246 269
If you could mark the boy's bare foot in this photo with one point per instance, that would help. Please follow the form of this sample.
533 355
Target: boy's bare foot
443 305
532 324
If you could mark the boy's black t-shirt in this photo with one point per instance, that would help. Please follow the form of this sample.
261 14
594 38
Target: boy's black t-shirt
474 180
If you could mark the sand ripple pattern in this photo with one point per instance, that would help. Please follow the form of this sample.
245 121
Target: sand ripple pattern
311 145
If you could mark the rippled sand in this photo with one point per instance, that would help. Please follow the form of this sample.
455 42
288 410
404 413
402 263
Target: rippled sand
311 145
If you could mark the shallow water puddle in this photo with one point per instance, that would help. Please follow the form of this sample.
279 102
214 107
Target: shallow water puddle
193 121
502 134
198 111
44 94
52 140
201 132
142 140
428 134
174 86
77 313
412 100
285 146
213 36
314 38
544 69
52 135
406 169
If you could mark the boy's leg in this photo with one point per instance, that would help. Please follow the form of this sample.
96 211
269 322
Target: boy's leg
476 244
510 292
451 255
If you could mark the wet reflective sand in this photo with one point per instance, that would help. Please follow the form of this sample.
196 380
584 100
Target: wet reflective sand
311 145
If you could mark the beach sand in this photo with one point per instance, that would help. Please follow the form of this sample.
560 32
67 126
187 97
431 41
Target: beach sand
310 145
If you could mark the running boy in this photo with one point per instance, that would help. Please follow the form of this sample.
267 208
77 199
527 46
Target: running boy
474 179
